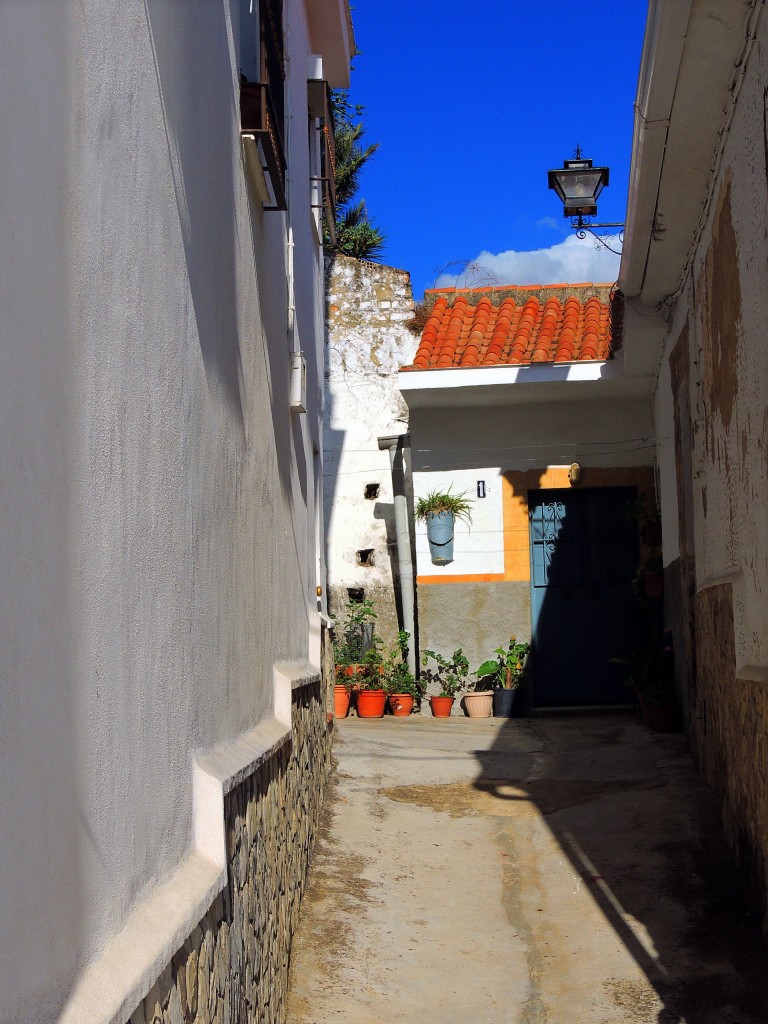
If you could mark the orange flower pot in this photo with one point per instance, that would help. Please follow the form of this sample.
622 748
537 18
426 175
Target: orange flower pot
400 704
341 698
441 706
371 703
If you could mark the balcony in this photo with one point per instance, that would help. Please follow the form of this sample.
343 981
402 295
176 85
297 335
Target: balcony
319 96
259 121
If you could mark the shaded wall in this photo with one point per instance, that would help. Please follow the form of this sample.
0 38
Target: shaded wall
712 401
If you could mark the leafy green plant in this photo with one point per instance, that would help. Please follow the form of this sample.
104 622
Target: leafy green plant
398 677
649 566
437 502
353 633
450 675
507 669
649 668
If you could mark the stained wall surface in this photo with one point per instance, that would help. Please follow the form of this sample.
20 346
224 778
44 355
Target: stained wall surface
712 402
159 535
370 308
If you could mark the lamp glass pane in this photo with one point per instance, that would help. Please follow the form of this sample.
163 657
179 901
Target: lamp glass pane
585 184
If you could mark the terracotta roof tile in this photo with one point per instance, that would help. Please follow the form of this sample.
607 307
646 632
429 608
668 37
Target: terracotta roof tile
519 325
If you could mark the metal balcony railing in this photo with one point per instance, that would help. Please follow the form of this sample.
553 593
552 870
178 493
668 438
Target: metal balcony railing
258 118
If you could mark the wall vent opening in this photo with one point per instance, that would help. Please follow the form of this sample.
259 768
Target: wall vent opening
371 491
356 594
365 556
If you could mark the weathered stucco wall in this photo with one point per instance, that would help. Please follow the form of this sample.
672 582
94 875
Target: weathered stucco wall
477 617
368 340
712 398
156 492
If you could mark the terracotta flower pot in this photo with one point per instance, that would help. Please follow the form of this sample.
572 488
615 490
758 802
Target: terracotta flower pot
441 706
400 704
664 718
479 704
371 703
654 586
341 699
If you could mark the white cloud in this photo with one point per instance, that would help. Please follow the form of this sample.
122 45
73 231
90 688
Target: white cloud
548 222
573 260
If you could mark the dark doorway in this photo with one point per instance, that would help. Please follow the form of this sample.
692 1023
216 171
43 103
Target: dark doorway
583 558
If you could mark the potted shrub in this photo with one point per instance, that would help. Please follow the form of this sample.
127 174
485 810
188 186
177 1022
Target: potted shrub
649 579
439 510
449 675
403 690
505 673
648 520
371 696
478 702
353 634
650 671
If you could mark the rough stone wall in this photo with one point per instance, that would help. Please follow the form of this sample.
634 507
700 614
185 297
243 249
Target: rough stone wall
233 968
368 339
732 740
717 353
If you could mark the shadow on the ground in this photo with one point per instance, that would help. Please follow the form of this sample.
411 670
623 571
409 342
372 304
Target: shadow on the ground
641 831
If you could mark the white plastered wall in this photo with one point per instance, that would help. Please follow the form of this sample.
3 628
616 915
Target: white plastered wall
730 467
368 340
156 495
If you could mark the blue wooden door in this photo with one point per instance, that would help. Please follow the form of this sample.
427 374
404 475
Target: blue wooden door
583 558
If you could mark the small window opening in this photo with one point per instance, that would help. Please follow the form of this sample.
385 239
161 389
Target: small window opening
365 556
371 491
356 594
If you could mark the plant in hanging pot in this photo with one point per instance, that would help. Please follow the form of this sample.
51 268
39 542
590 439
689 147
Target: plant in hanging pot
449 676
403 691
440 510
504 674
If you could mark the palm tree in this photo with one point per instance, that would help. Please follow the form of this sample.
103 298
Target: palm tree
356 234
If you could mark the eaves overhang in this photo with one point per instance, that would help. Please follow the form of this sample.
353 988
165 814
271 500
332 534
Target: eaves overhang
693 55
477 387
332 37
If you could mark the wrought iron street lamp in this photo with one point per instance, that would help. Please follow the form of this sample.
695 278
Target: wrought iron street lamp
578 184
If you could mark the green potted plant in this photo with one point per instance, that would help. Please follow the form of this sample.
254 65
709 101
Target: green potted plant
648 581
449 675
372 697
649 669
353 635
504 674
439 510
648 520
403 690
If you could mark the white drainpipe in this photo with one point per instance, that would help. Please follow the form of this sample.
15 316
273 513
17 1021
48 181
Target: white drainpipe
395 444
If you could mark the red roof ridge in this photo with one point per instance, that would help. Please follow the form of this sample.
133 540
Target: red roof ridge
520 287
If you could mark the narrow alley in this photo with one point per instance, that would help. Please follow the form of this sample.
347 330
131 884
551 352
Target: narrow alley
554 871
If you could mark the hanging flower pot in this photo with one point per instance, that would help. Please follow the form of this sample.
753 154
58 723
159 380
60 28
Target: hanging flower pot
439 510
440 537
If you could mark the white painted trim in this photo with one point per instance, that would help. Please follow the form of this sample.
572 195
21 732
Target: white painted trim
457 377
110 989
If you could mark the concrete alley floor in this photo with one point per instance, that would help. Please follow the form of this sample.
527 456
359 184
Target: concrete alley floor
564 870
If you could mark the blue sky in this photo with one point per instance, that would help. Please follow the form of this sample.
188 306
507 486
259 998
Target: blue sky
473 104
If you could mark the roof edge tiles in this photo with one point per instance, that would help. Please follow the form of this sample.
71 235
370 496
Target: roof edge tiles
514 325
